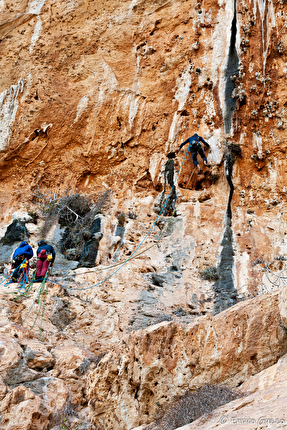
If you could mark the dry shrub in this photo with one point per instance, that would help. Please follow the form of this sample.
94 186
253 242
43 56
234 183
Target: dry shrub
210 273
193 405
77 233
74 211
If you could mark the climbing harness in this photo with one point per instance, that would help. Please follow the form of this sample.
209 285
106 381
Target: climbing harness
121 265
144 250
23 278
8 279
42 291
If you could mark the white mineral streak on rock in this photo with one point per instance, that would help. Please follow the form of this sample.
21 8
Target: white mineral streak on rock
82 106
173 132
133 110
155 166
257 144
132 5
8 109
28 81
2 5
70 5
281 241
242 276
36 34
183 86
35 6
197 211
126 99
221 43
216 153
268 22
209 102
273 169
182 91
109 82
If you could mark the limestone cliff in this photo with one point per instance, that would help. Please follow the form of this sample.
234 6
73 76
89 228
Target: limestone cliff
95 96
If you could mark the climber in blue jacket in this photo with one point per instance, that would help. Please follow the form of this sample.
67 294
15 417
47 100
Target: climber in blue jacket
23 252
195 147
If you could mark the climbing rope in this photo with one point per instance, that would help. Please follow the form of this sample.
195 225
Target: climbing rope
41 296
42 291
121 265
22 278
144 250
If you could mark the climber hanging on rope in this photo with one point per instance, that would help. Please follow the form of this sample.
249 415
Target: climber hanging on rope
21 257
194 148
45 258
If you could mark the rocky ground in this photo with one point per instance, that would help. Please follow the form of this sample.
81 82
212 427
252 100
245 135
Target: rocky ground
109 384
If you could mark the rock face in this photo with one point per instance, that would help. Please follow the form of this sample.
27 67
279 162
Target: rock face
95 98
67 377
35 390
151 367
263 405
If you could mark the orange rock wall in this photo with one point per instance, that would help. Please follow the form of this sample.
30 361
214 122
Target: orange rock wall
93 94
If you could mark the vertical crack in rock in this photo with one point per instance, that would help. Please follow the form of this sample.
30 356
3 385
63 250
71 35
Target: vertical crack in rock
231 69
226 293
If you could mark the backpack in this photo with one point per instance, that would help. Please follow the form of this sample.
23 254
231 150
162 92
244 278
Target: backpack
42 255
194 144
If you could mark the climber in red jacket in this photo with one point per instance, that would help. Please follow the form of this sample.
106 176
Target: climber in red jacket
45 258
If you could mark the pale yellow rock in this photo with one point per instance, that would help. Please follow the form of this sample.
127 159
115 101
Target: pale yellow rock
37 355
70 361
20 333
71 364
267 377
265 408
55 395
152 366
93 96
262 404
10 353
21 409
